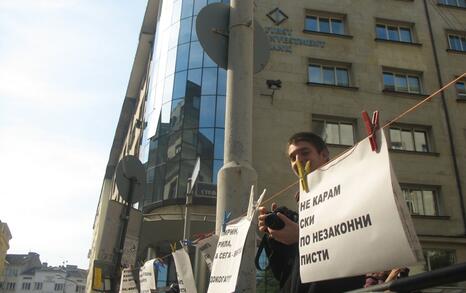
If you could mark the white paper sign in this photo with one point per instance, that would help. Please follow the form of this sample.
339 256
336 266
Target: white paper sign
227 259
147 277
207 248
127 284
350 221
184 271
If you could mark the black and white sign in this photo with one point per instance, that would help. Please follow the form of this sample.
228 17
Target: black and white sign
354 219
184 271
127 284
207 248
227 259
147 277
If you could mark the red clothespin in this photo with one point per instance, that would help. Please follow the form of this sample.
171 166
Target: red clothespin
371 127
200 236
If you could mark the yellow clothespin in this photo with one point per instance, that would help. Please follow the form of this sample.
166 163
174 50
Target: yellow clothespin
302 173
307 168
173 246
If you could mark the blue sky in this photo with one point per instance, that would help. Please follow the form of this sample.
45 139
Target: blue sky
64 69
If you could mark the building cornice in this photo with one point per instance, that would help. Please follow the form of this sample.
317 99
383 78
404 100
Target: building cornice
137 77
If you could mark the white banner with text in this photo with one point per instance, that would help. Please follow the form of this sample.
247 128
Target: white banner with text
227 259
354 219
184 271
127 284
147 277
207 248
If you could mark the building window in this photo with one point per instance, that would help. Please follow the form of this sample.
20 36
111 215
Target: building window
334 131
394 33
325 24
409 139
10 286
26 286
457 3
331 75
59 287
461 90
11 272
37 286
457 42
439 258
422 200
399 82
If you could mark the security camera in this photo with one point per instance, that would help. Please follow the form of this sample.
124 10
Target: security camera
274 84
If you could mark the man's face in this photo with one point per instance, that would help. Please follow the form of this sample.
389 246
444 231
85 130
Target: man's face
304 152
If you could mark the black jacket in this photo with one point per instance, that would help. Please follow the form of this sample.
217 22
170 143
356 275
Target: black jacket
284 262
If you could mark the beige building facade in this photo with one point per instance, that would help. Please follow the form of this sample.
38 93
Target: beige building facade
372 56
334 59
5 237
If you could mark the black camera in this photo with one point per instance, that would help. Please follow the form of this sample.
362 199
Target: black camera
274 222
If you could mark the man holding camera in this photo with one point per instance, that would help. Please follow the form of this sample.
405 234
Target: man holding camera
282 243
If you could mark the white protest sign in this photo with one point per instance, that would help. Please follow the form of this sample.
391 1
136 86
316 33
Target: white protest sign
227 259
207 248
147 277
354 220
184 271
127 284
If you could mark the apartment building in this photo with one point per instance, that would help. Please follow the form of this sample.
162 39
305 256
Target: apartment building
25 273
5 237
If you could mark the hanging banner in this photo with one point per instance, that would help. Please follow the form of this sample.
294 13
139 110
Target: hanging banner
227 259
229 252
127 284
184 271
147 277
207 248
355 208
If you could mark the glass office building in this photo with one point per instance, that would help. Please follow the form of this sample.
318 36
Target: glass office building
185 108
184 119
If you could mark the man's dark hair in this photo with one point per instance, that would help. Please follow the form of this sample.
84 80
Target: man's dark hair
309 137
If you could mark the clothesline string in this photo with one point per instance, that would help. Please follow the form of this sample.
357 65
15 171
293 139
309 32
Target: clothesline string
383 127
282 191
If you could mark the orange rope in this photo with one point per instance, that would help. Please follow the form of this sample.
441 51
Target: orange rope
344 152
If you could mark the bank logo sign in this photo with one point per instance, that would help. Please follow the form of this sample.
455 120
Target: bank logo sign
282 39
277 16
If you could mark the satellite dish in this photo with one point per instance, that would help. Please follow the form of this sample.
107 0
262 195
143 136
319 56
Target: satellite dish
212 27
212 31
130 171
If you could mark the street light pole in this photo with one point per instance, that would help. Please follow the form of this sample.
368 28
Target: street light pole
237 175
187 213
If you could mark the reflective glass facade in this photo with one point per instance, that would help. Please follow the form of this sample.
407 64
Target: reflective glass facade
185 108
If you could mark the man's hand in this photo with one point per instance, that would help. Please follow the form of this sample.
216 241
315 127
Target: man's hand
262 214
288 235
